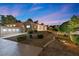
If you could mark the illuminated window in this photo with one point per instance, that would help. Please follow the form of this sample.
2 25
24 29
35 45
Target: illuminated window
17 30
14 30
14 25
4 30
7 25
10 25
28 26
9 30
34 26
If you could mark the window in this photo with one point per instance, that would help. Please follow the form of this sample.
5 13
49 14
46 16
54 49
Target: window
14 25
14 30
9 30
28 26
10 25
4 30
7 25
17 30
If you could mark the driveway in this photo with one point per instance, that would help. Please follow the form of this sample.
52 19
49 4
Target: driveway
10 48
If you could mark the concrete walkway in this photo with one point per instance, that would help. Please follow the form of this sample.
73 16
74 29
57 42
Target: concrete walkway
10 48
11 35
49 42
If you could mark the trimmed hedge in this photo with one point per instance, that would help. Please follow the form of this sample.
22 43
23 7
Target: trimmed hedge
40 36
76 38
30 36
35 31
30 32
21 38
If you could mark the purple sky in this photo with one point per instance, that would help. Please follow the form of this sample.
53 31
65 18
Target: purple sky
52 14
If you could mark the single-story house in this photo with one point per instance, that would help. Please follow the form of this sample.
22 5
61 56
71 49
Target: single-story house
9 30
35 26
17 25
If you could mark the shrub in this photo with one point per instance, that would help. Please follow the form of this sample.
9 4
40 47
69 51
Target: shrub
21 38
65 35
40 36
30 36
30 32
35 31
76 38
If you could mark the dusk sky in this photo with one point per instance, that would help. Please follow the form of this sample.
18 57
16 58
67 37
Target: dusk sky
52 14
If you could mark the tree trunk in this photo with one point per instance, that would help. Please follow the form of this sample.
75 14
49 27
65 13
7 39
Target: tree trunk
70 35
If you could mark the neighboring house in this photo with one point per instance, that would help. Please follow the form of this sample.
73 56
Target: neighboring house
9 30
30 25
17 25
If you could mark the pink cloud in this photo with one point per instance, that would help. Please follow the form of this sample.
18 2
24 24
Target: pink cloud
35 8
52 21
9 11
4 10
53 18
65 7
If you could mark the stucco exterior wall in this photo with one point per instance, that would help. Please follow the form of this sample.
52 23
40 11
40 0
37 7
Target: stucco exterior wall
7 30
42 28
35 26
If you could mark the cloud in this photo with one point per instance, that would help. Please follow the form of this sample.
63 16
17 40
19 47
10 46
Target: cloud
4 10
35 9
66 7
57 17
54 18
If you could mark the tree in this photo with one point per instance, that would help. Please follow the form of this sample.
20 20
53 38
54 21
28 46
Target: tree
36 21
70 25
9 19
18 21
30 20
64 27
2 19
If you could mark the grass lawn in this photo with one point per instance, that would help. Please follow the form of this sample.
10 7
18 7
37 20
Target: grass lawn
76 39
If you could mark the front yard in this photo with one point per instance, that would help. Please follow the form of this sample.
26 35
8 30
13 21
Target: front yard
62 44
34 40
60 48
75 39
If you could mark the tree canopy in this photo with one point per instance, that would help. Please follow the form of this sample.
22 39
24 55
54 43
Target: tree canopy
9 19
70 25
30 20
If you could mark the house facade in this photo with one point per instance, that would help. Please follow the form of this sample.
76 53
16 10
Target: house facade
35 26
9 29
17 25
